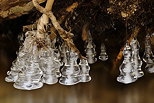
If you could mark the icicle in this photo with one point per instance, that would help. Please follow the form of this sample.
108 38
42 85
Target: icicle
85 68
56 57
13 74
148 56
70 71
16 67
136 60
126 69
47 66
90 53
29 78
65 52
19 64
90 50
57 62
49 63
103 55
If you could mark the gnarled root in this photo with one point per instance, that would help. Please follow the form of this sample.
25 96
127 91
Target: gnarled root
66 36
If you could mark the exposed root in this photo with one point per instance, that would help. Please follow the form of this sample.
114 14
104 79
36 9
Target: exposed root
43 21
85 32
71 8
30 27
66 36
62 18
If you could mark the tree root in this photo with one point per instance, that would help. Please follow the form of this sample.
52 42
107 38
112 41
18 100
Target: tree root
66 36
62 18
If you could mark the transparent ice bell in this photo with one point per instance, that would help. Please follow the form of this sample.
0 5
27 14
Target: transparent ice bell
90 52
30 77
136 60
148 56
47 65
103 55
126 69
17 66
85 68
70 71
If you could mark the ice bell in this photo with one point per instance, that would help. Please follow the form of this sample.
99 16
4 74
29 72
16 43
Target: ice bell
136 60
12 74
148 56
47 66
19 64
57 62
70 71
126 69
29 78
90 52
65 51
90 49
103 55
84 73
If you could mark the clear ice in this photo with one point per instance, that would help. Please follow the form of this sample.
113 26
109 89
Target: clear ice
136 60
84 73
70 71
126 69
148 56
103 55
